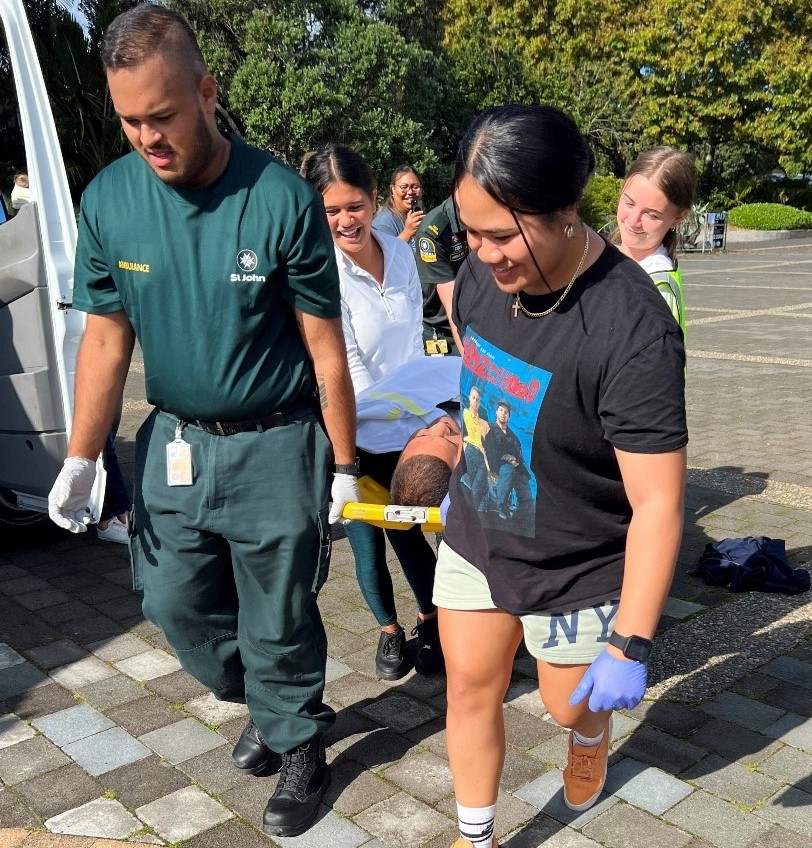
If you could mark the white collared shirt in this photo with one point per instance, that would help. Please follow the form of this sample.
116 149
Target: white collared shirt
383 325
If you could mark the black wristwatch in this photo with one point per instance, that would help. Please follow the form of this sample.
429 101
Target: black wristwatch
354 468
633 647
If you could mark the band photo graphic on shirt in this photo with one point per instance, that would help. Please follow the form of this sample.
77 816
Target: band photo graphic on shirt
501 398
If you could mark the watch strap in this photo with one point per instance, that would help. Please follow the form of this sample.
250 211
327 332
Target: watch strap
353 468
633 647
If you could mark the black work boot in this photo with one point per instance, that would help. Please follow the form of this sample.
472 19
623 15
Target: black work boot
252 755
303 781
390 658
429 658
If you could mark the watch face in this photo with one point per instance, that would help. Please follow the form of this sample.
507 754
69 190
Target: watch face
637 648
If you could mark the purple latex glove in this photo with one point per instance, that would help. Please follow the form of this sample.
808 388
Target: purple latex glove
614 684
444 508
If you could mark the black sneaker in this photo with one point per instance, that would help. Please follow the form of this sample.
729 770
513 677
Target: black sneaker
252 755
429 658
390 659
304 779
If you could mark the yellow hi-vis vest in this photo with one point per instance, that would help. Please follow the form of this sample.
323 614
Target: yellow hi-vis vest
669 284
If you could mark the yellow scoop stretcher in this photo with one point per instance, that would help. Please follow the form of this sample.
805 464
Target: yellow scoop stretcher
377 510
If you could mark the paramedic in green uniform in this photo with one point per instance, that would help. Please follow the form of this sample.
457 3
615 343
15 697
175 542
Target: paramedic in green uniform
442 245
217 258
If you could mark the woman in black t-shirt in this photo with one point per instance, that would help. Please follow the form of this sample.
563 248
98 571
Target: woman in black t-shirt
578 366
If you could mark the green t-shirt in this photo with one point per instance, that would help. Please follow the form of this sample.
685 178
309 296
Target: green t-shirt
209 278
441 247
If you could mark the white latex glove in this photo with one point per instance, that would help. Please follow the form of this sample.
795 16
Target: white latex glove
343 491
67 500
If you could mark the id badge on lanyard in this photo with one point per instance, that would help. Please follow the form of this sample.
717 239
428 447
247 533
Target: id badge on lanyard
178 460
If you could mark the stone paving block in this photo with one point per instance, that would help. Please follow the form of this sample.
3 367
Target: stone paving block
523 694
786 696
519 768
148 665
399 712
341 642
677 720
59 790
790 670
182 741
183 814
755 685
111 692
377 749
645 787
14 813
41 700
779 837
81 672
329 829
91 628
793 729
790 765
354 689
622 726
563 838
72 724
177 687
348 724
734 742
792 809
106 751
211 711
145 715
103 818
13 730
336 669
9 657
10 572
19 678
678 608
524 730
119 647
353 788
214 771
425 776
744 711
626 827
547 795
248 800
401 820
42 598
553 752
716 821
56 654
30 758
661 749
22 585
144 781
232 834
731 781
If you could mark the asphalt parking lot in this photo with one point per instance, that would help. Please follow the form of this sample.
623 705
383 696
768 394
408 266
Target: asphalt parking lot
104 737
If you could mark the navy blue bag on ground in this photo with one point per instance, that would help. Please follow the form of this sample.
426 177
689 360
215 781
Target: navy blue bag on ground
754 563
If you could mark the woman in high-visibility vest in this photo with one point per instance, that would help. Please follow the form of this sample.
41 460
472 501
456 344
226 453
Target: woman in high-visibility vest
656 196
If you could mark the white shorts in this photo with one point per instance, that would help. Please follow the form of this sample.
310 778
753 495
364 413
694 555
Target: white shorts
573 638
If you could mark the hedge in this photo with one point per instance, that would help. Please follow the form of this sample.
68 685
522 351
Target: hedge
598 208
769 216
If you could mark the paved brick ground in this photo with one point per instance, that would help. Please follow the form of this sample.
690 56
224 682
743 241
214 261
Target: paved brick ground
105 741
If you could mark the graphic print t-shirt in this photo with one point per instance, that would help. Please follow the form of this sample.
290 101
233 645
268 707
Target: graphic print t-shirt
604 371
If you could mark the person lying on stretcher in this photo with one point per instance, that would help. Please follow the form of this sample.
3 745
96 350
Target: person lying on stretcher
420 478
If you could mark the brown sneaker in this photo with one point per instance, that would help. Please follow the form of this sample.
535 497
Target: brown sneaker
464 843
585 773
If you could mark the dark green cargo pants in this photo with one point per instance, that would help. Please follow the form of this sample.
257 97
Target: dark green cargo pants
231 566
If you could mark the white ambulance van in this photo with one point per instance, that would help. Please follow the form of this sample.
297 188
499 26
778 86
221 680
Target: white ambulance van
39 331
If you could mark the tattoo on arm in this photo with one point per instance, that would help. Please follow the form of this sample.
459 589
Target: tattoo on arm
322 386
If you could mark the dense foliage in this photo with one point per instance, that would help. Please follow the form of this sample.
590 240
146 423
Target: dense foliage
400 80
769 216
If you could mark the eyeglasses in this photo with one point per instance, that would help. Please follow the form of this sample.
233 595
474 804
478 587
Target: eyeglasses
404 188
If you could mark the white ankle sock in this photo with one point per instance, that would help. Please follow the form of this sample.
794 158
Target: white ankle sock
476 824
589 741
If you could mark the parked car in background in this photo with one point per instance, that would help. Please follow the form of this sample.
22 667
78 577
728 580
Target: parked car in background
39 331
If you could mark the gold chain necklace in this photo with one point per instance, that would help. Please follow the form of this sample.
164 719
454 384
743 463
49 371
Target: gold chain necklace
518 305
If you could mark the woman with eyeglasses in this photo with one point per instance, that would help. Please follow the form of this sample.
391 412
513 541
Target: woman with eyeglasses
403 210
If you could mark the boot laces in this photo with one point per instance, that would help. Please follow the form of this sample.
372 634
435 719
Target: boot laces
390 645
295 767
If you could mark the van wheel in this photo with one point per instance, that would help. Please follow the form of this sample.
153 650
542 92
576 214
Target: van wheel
12 515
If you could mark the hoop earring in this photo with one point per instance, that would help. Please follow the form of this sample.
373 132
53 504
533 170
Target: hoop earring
569 231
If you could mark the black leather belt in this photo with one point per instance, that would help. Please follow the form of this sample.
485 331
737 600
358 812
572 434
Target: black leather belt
253 425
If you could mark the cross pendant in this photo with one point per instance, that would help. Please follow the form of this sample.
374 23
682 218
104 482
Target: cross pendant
516 307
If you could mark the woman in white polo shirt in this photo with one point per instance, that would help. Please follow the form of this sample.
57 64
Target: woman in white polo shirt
382 315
